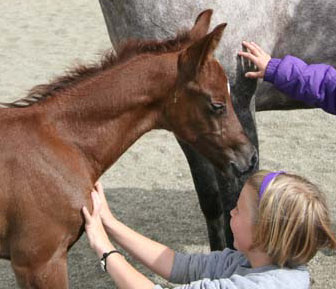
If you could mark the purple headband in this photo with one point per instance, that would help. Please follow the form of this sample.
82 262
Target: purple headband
267 179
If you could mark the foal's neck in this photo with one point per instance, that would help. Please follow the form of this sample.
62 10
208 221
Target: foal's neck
105 114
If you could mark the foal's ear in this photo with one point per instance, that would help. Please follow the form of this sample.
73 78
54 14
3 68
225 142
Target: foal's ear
191 60
201 25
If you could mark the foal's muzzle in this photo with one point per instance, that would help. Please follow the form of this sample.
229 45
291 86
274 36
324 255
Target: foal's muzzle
241 168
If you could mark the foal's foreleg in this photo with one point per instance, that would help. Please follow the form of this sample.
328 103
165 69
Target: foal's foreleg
39 258
50 274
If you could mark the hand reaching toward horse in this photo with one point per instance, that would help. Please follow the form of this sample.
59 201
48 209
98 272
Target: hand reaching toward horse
95 231
105 212
124 275
258 56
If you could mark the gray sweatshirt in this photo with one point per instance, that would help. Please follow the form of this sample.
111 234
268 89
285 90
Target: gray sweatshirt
230 269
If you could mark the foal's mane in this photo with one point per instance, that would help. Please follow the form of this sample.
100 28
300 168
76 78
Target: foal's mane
109 59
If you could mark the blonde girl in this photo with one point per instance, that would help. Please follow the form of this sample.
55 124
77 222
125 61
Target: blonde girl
280 222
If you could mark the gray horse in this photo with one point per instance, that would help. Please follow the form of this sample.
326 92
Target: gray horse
305 28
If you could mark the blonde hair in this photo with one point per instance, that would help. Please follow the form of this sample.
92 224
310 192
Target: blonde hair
292 219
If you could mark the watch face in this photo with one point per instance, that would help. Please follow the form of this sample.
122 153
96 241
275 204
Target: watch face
102 265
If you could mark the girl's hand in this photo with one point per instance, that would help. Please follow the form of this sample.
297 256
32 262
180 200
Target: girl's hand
95 231
258 56
105 212
119 269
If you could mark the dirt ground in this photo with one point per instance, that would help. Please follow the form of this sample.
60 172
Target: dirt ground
150 188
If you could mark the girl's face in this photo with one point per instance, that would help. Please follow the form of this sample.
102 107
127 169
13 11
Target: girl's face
242 220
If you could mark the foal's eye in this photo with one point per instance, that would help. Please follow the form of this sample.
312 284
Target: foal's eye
218 107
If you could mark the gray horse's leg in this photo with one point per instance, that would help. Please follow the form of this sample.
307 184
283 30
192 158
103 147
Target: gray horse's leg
208 191
217 196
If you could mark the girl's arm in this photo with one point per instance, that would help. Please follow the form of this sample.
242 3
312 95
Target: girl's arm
187 268
314 84
177 268
157 257
124 275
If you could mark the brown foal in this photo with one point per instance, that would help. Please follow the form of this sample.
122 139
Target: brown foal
71 131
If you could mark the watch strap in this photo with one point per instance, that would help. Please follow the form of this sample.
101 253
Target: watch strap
103 259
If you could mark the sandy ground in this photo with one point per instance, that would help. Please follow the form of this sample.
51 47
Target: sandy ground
150 187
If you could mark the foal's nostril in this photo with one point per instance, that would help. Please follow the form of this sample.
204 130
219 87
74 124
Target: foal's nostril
239 171
241 166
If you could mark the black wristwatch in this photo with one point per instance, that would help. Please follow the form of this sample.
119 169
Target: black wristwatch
103 259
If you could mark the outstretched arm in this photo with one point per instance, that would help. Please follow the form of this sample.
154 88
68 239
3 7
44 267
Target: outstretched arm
124 275
175 267
314 84
157 257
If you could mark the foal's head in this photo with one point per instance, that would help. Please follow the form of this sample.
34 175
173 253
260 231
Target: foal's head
201 112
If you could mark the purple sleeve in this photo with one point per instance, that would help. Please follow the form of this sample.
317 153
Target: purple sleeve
314 84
